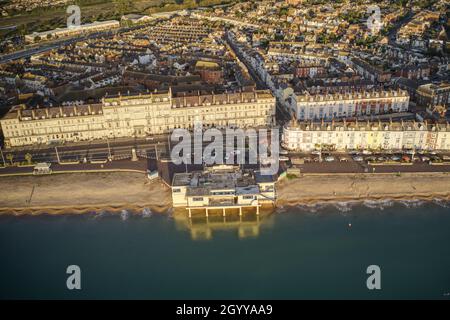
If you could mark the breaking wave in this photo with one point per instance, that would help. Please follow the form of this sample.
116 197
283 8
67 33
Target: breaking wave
343 207
281 209
311 208
146 213
170 213
348 206
442 203
124 215
378 204
412 203
98 215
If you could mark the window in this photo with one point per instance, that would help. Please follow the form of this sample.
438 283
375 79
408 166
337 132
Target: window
197 199
176 190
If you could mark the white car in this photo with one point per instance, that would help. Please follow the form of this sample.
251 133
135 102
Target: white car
329 159
366 152
316 152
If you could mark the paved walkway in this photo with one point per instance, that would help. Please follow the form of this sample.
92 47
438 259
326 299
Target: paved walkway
125 165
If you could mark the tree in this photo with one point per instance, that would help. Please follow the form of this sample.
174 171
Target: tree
10 158
23 30
123 6
28 158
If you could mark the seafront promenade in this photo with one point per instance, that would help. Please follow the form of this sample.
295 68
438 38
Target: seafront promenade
140 166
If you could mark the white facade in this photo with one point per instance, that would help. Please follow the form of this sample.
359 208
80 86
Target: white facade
308 136
74 30
136 116
339 105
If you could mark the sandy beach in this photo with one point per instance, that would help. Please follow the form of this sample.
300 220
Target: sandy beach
82 192
359 187
87 192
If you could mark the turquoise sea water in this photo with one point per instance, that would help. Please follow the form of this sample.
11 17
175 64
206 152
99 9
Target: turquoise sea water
302 252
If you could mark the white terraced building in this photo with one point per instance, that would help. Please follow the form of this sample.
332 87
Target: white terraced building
73 30
308 136
136 116
346 105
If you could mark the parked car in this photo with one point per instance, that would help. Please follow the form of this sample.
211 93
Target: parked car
425 159
435 159
343 159
395 158
406 159
358 158
284 152
366 152
329 159
316 152
284 159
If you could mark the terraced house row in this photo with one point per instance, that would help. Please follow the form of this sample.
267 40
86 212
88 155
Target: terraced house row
136 116
342 135
350 104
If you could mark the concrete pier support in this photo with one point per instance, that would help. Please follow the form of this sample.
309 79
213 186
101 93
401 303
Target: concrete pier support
190 214
206 211
223 211
257 210
240 211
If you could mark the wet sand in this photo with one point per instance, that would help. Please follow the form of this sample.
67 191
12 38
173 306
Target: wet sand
112 192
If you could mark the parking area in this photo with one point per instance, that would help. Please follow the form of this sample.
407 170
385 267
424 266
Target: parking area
369 161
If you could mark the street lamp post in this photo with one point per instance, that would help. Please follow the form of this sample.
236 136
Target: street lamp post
186 157
168 141
320 152
57 155
156 152
109 150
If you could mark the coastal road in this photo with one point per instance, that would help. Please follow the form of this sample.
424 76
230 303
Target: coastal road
120 148
62 42
354 167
